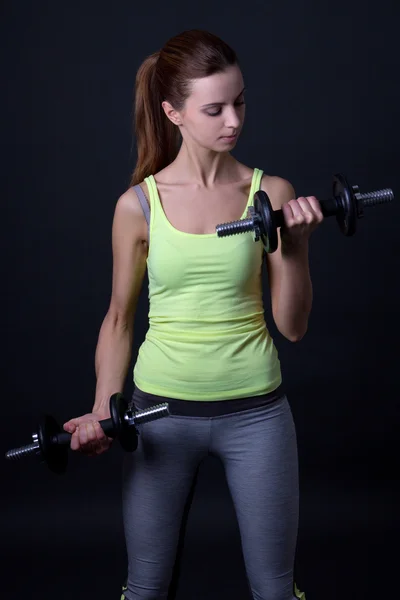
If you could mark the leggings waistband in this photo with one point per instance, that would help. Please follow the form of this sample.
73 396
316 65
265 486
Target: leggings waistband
206 408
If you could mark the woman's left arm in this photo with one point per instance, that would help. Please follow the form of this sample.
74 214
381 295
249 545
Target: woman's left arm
288 267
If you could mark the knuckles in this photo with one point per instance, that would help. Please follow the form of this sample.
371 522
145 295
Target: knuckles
305 210
88 437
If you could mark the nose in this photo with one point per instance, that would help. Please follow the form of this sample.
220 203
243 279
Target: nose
232 119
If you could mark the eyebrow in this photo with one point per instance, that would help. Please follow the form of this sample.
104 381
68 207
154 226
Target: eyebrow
221 103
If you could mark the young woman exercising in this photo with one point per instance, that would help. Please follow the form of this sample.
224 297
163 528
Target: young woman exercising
208 351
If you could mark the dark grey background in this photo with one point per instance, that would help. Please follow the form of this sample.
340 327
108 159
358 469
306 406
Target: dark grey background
322 96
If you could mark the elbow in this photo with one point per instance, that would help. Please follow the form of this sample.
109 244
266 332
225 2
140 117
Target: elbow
297 337
293 334
297 334
293 327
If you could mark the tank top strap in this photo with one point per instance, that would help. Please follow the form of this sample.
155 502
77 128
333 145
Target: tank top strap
155 207
255 185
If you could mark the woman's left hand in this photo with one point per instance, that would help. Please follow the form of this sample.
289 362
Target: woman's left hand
301 217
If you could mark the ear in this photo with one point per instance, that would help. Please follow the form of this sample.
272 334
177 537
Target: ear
171 113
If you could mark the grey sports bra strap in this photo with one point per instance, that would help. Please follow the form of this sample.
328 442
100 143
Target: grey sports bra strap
144 203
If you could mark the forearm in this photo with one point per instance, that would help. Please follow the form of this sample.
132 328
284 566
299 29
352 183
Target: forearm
295 293
113 355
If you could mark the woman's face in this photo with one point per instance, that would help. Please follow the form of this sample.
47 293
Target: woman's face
214 109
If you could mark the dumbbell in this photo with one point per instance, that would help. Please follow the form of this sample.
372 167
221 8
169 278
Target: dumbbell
347 205
50 444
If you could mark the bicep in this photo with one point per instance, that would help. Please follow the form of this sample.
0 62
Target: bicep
279 192
129 256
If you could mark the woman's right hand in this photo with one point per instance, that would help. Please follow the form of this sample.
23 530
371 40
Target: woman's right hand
88 436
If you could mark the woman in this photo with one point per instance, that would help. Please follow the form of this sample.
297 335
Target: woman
208 352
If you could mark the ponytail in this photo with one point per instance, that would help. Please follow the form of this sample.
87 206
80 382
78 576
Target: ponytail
157 138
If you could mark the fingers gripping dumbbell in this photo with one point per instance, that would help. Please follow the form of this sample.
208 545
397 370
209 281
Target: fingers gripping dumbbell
50 444
347 205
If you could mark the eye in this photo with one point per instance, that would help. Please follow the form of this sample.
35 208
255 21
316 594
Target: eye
215 114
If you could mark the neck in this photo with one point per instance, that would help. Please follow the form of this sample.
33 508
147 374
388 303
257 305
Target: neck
203 167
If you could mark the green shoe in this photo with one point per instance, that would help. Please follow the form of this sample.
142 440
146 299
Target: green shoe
124 588
297 593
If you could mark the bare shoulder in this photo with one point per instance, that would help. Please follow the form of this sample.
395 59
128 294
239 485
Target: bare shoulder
278 190
129 213
129 201
244 173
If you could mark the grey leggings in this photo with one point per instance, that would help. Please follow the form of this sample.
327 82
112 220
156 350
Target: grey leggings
258 450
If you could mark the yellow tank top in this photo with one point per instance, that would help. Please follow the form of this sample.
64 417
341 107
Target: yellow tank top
207 336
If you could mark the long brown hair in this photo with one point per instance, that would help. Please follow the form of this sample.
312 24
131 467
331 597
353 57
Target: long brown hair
166 75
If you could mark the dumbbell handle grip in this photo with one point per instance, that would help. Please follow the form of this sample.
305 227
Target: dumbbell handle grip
332 206
64 438
329 208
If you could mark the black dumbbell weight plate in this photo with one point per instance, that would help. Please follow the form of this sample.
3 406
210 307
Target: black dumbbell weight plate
269 231
126 434
347 214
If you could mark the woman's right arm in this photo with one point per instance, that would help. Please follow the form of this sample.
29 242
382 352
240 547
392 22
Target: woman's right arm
113 352
114 346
